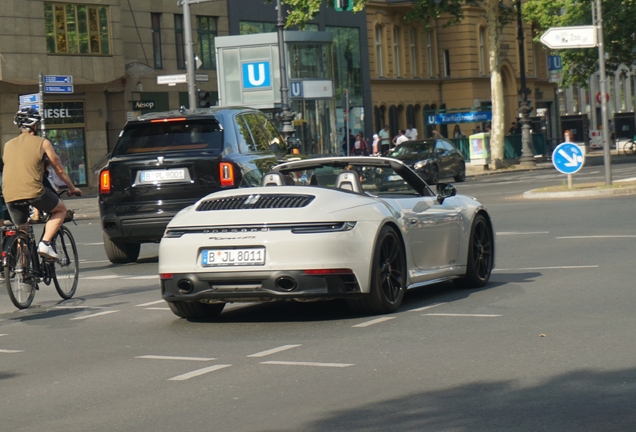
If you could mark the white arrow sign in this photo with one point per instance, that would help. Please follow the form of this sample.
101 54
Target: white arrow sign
570 37
572 161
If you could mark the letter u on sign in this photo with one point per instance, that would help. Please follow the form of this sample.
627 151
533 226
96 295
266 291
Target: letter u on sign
256 75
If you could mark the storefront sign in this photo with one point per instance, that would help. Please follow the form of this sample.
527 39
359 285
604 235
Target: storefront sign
461 117
143 105
63 113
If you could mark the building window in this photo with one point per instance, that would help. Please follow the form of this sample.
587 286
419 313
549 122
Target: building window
414 51
482 51
76 29
156 39
207 31
447 71
253 27
347 62
396 50
378 50
429 53
178 38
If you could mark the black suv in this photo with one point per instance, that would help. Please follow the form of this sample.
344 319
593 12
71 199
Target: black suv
166 161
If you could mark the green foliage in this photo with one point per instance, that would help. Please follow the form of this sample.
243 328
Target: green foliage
619 33
302 11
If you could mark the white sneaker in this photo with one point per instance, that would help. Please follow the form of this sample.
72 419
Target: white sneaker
47 252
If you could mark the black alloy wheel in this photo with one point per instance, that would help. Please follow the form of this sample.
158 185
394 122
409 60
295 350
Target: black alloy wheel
480 258
388 280
434 176
461 172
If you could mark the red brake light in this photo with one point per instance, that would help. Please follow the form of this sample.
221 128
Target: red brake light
168 120
165 276
226 174
104 182
328 271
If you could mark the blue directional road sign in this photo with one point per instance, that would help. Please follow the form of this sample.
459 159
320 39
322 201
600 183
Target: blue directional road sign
568 158
34 106
58 89
29 99
58 79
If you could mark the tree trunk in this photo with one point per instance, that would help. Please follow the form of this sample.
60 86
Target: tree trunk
496 85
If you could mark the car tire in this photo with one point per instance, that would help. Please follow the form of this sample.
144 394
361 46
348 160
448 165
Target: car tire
388 278
461 173
480 258
434 176
120 252
196 310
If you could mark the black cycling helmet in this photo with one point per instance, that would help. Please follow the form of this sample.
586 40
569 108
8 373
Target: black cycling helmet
27 117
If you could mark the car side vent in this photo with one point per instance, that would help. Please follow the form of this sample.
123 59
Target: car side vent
256 201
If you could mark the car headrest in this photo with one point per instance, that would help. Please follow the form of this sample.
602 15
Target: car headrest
313 180
274 178
349 180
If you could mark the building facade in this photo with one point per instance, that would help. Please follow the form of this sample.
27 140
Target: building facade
415 70
113 50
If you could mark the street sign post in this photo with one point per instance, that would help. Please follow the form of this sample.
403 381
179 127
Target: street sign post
568 159
570 37
172 79
58 88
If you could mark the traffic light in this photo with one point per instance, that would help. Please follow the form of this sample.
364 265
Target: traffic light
343 5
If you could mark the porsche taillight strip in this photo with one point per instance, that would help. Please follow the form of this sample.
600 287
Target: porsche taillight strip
296 228
256 201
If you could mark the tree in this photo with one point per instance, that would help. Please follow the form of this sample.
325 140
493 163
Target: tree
498 14
619 33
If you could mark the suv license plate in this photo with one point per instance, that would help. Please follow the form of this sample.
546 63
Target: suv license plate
233 257
162 175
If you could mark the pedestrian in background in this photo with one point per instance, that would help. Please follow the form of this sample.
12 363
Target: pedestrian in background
385 142
435 134
376 144
360 146
347 144
411 133
399 138
457 132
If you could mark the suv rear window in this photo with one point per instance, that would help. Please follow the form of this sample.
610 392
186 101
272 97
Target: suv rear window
172 135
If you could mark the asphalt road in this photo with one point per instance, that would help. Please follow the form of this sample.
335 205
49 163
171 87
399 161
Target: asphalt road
547 345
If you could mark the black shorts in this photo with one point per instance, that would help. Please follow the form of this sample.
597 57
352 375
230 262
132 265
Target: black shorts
19 210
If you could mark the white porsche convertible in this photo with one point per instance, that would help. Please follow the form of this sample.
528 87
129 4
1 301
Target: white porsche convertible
361 228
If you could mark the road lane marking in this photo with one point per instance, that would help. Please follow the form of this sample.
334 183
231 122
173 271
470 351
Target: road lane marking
462 315
158 357
198 372
4 334
151 303
93 262
158 308
101 277
288 363
427 307
95 315
273 351
143 277
6 351
521 233
92 244
375 321
80 307
597 237
547 268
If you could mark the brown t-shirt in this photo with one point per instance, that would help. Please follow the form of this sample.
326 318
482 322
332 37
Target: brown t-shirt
23 168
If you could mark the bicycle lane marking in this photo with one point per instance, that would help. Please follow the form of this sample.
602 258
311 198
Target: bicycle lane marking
94 315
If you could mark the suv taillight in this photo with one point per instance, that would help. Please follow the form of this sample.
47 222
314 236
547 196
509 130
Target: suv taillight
104 182
226 174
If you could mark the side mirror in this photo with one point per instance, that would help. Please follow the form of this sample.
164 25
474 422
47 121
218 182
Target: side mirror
445 190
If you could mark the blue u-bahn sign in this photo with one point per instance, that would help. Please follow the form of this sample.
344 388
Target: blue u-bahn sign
256 75
460 117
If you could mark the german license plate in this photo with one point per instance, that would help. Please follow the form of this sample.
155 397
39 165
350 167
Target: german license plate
233 257
158 176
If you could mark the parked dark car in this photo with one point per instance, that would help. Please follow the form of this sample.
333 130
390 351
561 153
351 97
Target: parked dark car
166 161
432 159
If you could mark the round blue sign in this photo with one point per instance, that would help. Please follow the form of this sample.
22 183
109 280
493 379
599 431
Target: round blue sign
568 158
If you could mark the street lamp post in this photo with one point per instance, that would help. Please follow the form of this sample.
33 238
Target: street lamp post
286 115
527 158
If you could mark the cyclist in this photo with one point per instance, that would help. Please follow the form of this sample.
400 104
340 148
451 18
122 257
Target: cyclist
23 159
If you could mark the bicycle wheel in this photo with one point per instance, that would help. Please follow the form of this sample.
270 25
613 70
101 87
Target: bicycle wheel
66 270
18 272
629 147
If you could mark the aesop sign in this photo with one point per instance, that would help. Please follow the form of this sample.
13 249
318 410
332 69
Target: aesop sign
143 105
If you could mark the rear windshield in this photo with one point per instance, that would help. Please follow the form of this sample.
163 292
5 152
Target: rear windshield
185 135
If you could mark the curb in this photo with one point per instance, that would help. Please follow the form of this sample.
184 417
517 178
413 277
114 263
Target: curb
531 194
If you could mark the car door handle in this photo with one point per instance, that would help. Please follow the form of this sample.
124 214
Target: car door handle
413 221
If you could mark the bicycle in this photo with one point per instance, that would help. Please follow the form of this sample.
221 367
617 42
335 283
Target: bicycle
24 269
629 147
